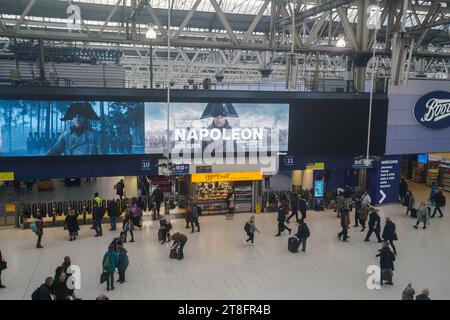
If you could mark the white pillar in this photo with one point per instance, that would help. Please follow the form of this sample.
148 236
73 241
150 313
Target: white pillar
307 179
297 180
131 187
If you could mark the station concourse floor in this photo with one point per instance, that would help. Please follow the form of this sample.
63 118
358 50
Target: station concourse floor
218 265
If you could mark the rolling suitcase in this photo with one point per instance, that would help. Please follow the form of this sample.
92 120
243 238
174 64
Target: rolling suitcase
293 244
413 213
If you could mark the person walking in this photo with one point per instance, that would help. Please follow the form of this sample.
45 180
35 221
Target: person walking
387 259
363 215
109 265
294 207
72 225
250 228
164 227
366 199
66 265
303 207
424 294
408 293
122 263
345 222
439 202
179 241
39 231
44 292
29 183
281 219
120 187
97 200
302 234
158 197
136 215
97 216
390 233
357 208
3 266
231 203
127 226
194 217
113 213
402 190
348 195
410 202
189 208
423 215
374 225
340 204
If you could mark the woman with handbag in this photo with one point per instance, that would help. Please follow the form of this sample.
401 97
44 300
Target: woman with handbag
390 233
2 267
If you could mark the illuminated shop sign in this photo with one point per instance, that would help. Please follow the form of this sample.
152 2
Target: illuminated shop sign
432 110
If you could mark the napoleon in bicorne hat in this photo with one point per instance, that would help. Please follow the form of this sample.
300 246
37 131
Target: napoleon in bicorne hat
219 111
80 138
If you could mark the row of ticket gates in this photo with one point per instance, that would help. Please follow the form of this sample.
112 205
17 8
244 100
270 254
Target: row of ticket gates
54 213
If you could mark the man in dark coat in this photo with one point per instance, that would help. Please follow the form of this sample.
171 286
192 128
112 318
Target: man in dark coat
44 291
374 225
80 138
402 190
345 222
39 231
97 216
294 208
389 233
387 259
302 234
158 197
120 186
303 206
281 219
113 213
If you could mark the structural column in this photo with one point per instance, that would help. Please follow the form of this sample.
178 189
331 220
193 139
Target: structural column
297 180
131 186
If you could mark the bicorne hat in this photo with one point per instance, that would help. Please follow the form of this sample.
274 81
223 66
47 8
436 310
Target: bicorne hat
83 109
215 109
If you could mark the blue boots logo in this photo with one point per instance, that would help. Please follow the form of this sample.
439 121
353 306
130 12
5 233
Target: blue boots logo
432 110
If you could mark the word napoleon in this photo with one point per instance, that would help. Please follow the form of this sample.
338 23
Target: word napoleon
206 311
217 134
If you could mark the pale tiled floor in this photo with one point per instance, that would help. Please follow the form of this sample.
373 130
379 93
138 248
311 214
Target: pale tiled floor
218 265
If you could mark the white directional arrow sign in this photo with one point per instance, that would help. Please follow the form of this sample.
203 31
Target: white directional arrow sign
383 196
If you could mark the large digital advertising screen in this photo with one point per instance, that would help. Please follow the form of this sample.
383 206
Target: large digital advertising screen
70 128
241 127
89 128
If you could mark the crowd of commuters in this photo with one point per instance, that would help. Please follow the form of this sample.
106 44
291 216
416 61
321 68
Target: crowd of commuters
116 257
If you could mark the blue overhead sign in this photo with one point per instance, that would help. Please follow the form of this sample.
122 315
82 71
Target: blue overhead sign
180 169
385 180
146 165
432 110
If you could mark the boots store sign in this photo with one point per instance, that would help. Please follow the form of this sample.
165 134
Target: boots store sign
432 110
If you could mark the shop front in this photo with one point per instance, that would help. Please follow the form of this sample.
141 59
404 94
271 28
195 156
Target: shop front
211 191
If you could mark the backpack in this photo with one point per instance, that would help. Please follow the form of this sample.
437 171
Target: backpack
247 227
307 233
35 295
106 263
33 226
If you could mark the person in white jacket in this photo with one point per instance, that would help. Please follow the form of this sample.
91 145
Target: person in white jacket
423 215
365 199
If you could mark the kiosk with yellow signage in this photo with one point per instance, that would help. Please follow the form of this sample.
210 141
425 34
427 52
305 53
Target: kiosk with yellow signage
210 191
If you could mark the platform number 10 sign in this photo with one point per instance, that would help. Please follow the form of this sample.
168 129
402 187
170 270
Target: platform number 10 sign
74 18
